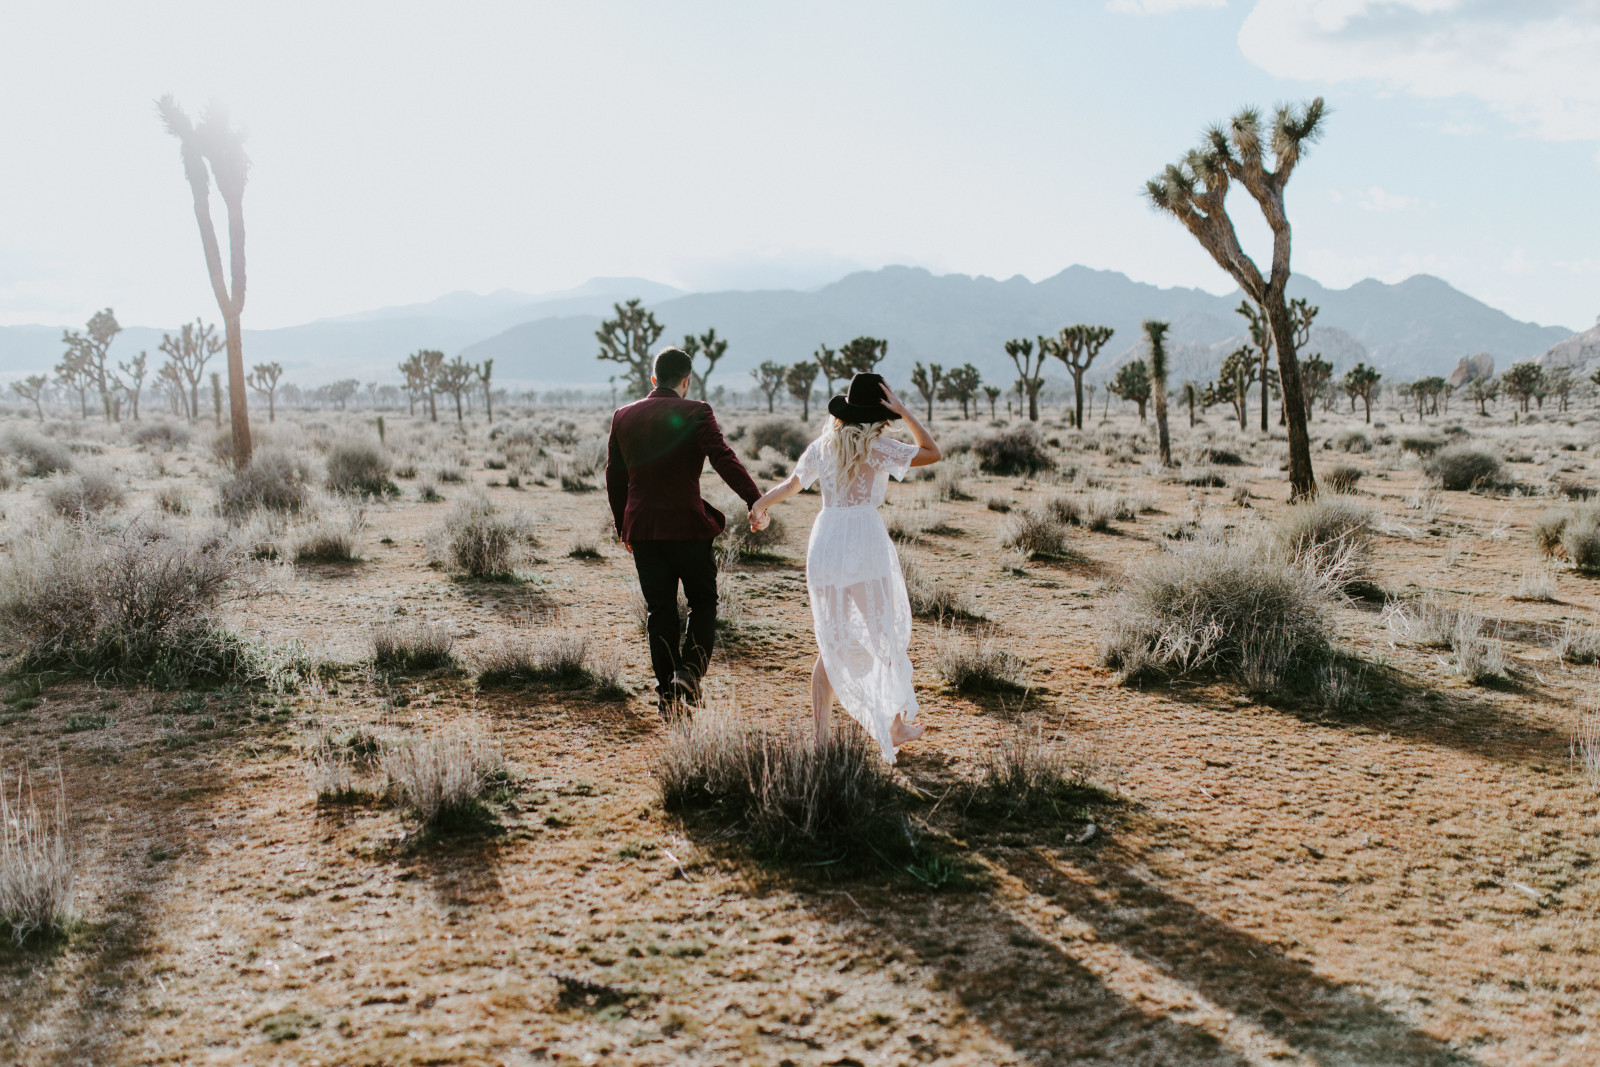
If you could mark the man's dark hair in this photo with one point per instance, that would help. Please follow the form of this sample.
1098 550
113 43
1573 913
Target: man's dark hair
672 366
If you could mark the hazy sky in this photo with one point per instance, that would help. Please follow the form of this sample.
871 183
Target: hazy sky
403 150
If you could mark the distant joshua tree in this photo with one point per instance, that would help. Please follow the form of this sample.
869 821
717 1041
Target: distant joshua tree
801 379
627 339
1076 346
217 142
926 381
712 347
1482 390
1521 382
1559 383
187 354
832 367
484 370
1315 374
264 380
1261 337
992 392
1238 371
1155 334
1132 383
136 369
421 371
88 352
341 391
1030 371
961 384
769 378
1195 190
1361 381
1191 397
32 388
454 378
863 355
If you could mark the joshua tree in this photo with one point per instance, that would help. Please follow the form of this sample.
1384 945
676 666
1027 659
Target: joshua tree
89 350
1482 390
627 339
926 380
1560 382
73 373
455 378
32 388
483 371
961 384
1030 368
264 380
1132 383
1522 381
216 397
1361 380
1261 337
135 369
833 368
1191 397
712 347
421 370
993 393
863 355
800 379
341 391
769 378
187 354
1195 191
1315 374
215 141
1155 335
1238 372
1076 346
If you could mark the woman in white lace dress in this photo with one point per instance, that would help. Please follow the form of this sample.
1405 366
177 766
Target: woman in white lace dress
858 592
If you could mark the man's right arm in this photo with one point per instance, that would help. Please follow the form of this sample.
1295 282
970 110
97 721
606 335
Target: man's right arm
724 460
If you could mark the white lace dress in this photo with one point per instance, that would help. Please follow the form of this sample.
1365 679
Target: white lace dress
858 592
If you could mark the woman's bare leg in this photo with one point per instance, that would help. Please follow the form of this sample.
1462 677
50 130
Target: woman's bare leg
900 732
821 700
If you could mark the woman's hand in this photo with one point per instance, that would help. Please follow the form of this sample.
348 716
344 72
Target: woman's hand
892 402
759 520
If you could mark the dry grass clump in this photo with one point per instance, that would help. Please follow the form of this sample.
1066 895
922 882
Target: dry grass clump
1535 584
1420 445
85 494
1579 644
1585 748
360 468
1019 450
163 435
140 603
36 456
782 435
37 866
1428 621
1464 466
480 539
1478 659
1239 608
738 543
1026 773
1353 441
420 646
276 480
329 540
442 777
1319 529
172 500
1036 534
932 598
1571 533
1342 478
776 795
553 657
975 661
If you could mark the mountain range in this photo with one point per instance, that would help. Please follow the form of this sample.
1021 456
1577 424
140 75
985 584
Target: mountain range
1416 327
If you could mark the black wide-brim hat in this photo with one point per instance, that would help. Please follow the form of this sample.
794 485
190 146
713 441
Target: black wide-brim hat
863 402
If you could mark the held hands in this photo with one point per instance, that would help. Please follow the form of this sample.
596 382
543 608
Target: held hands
892 402
759 520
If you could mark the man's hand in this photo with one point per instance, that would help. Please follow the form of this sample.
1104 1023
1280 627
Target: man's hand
759 520
629 547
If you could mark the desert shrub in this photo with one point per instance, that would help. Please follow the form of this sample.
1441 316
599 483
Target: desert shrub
1464 467
36 456
949 483
998 504
777 795
1585 748
276 480
1325 528
1478 659
1019 450
1427 621
441 777
737 542
1203 479
85 494
976 662
585 548
429 493
1571 489
1420 446
420 646
554 657
1026 773
1579 644
360 468
451 475
1342 478
163 435
329 540
1220 457
1037 535
782 435
480 539
1537 584
1065 509
1239 609
172 500
331 768
140 603
1580 543
931 597
1550 527
37 866
1353 441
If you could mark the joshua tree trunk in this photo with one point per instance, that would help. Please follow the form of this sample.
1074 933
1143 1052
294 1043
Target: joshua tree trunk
1266 396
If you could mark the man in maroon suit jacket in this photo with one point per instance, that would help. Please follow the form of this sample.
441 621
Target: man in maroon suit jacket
659 446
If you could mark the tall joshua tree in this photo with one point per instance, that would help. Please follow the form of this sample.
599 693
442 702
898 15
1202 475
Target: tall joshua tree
627 339
217 142
863 354
1155 334
264 380
712 347
455 378
961 384
926 381
769 378
187 354
832 367
1030 372
801 378
1194 190
90 350
1076 346
991 393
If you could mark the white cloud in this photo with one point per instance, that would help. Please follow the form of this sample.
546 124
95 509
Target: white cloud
1159 7
1533 64
1381 200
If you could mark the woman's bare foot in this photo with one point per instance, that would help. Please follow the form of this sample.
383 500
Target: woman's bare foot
900 731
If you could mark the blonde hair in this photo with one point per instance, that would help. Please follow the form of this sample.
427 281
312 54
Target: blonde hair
848 446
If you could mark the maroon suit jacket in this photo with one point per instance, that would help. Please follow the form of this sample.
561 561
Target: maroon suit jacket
659 446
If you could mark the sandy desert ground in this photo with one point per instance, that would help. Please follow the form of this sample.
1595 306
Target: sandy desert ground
1403 877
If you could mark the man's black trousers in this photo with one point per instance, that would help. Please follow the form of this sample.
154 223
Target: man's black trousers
662 565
